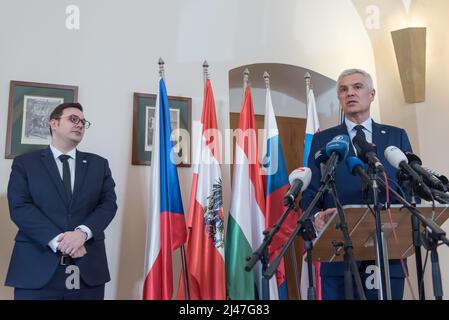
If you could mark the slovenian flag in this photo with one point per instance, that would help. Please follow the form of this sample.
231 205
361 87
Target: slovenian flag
276 187
166 229
312 127
205 239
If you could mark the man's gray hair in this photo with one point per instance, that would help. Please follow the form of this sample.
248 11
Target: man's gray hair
349 72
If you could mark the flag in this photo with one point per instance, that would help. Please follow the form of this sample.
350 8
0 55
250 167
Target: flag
166 230
246 220
276 187
312 127
205 238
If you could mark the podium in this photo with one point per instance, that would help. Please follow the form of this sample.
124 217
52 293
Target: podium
362 230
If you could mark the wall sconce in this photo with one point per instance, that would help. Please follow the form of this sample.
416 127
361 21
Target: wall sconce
410 48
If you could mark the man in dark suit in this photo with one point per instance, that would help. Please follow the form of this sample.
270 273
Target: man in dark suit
61 200
355 93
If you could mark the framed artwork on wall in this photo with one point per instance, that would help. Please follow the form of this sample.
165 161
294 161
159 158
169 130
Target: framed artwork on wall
30 105
143 124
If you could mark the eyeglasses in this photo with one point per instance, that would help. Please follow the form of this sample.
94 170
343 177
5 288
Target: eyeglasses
75 120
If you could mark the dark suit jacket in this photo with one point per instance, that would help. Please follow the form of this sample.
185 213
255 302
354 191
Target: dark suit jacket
349 187
39 208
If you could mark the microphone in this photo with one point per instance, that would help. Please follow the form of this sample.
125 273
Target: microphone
320 159
397 159
336 150
439 176
431 181
367 152
357 168
299 181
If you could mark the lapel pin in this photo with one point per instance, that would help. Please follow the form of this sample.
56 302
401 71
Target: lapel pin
383 132
84 161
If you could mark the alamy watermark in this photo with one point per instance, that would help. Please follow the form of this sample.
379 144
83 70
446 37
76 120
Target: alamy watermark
72 20
72 282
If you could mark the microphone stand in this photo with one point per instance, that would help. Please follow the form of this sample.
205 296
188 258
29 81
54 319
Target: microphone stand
417 247
262 252
305 228
432 235
350 264
382 261
307 231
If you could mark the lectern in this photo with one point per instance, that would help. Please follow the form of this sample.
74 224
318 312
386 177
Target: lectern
362 230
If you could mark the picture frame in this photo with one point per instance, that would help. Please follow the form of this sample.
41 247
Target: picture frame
143 119
29 108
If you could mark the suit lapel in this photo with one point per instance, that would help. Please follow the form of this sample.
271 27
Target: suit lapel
380 139
49 163
80 173
380 136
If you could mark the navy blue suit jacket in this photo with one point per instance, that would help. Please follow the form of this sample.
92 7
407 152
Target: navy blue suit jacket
349 187
39 208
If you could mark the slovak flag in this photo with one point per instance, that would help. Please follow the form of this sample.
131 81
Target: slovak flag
166 229
276 186
312 127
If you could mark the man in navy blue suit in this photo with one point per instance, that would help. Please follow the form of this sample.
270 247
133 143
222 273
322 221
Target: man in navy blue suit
61 200
355 93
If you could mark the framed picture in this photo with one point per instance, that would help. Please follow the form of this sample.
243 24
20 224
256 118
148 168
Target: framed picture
143 125
30 105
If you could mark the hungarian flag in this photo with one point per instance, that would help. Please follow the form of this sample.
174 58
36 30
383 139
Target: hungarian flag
276 187
312 127
166 230
205 239
246 221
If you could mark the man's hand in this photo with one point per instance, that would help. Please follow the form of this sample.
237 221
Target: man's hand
71 241
81 252
322 217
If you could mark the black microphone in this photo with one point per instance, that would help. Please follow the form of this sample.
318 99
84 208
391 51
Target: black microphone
299 181
439 176
367 153
433 182
397 159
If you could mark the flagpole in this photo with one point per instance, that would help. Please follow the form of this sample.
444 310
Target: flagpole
183 253
205 72
245 79
161 64
307 78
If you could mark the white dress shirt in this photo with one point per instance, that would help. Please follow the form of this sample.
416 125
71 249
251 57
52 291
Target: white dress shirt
367 129
53 244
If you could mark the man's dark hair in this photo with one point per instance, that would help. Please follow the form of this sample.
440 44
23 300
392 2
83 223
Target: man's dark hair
59 110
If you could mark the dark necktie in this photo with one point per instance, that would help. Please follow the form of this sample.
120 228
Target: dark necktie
359 131
66 180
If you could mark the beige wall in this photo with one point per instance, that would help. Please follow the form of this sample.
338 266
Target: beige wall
115 53
427 122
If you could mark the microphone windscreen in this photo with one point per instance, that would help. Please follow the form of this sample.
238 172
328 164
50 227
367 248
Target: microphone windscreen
411 157
395 156
352 162
320 157
339 144
304 174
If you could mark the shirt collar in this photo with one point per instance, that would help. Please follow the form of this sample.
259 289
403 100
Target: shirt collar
57 153
367 124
